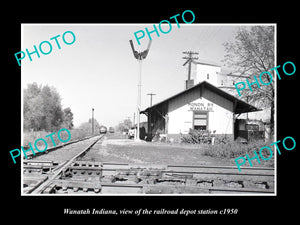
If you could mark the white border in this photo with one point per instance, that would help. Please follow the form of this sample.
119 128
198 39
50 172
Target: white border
142 24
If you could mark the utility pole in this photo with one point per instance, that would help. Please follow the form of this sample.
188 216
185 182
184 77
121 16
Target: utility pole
139 56
133 122
151 94
150 119
92 120
189 58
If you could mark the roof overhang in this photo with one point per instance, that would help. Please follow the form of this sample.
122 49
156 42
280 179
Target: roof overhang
239 105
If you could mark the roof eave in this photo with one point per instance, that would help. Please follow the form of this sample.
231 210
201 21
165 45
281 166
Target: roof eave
245 106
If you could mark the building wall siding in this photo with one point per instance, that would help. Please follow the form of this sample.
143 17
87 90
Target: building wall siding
180 120
184 99
208 73
217 99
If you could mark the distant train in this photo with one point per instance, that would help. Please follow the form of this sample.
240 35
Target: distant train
111 130
103 129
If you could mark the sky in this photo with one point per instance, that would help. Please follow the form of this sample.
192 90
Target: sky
99 70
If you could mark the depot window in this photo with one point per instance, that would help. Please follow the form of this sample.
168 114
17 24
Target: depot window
200 120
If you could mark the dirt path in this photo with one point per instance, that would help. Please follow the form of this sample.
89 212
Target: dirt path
126 151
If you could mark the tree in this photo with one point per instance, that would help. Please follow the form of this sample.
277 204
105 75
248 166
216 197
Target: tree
124 125
43 110
32 108
250 54
87 126
53 114
67 118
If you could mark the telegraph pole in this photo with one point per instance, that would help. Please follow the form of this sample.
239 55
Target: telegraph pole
149 119
92 120
189 58
133 119
151 94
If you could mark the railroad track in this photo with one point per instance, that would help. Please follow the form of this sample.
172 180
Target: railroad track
75 176
38 175
31 155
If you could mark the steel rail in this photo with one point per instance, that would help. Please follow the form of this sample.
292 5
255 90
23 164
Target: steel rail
42 186
82 174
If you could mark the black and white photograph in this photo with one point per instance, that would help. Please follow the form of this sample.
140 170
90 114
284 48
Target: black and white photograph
140 111
126 109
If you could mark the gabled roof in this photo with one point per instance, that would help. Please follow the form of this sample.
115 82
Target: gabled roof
240 106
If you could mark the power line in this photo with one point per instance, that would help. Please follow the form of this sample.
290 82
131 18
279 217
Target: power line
189 58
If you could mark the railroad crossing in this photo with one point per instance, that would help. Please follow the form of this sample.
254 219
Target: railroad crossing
77 176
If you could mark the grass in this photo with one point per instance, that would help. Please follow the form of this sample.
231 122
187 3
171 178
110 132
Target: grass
31 137
232 150
226 148
153 153
160 153
185 153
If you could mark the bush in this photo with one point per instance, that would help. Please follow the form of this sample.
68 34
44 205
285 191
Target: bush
222 139
233 149
197 137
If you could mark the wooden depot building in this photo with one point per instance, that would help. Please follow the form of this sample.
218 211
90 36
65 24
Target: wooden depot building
200 107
